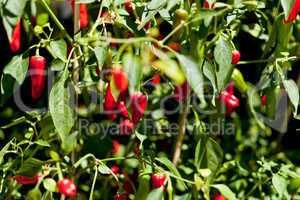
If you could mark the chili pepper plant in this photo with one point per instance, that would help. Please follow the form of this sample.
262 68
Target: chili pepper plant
149 99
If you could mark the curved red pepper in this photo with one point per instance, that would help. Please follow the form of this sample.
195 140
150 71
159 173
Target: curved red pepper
294 12
219 197
25 180
15 42
37 66
138 106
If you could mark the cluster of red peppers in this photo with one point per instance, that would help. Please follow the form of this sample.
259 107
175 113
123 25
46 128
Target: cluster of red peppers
65 186
138 103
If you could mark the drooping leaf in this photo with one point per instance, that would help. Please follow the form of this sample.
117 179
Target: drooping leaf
223 54
59 48
156 194
133 70
279 184
293 92
100 53
30 167
60 106
193 75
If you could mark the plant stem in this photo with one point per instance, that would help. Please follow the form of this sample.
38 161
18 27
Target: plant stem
253 62
93 184
182 127
56 21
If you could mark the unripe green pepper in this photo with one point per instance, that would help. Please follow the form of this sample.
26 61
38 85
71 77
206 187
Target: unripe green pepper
239 81
273 95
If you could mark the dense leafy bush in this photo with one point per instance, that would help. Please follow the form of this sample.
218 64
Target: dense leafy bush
149 99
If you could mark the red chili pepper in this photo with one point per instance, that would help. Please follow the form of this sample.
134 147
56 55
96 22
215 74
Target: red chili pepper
115 169
158 180
116 147
181 91
67 187
37 65
219 197
121 107
84 15
121 196
25 180
129 7
109 101
175 46
127 186
208 5
229 100
294 12
126 127
155 79
236 56
120 79
15 42
148 25
138 106
230 88
263 100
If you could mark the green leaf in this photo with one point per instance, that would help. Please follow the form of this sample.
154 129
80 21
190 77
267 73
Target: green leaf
207 13
69 144
133 69
43 143
14 73
193 75
200 150
171 69
30 167
209 71
101 54
156 194
59 105
17 68
293 92
279 184
57 65
103 169
3 151
214 155
165 161
34 194
223 55
225 191
49 184
59 48
15 7
144 187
